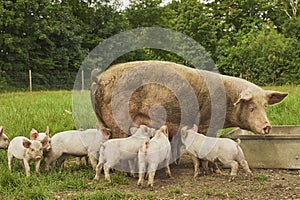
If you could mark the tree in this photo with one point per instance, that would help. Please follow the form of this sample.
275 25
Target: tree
265 57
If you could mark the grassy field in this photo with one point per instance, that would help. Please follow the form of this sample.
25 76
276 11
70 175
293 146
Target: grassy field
22 111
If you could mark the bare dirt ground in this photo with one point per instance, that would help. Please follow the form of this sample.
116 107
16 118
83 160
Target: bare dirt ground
266 184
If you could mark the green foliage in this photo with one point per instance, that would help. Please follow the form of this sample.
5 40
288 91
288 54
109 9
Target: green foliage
264 57
253 39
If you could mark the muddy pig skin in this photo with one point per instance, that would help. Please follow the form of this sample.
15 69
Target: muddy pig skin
114 151
25 150
4 141
76 143
212 149
152 153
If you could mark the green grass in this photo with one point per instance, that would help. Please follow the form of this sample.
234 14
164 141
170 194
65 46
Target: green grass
286 112
20 112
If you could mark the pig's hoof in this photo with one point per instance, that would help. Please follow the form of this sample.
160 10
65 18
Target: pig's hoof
96 179
250 177
232 178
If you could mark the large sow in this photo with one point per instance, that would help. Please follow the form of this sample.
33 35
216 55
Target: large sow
151 93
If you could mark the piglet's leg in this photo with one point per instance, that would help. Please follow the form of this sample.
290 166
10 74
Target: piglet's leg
168 171
131 167
234 167
37 165
196 166
27 167
98 171
245 166
10 161
152 170
106 173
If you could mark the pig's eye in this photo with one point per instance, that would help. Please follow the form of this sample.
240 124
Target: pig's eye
266 106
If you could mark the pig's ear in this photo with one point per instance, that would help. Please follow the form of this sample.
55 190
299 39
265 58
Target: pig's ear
26 143
133 130
33 134
275 97
164 129
195 128
184 132
245 95
105 133
144 128
47 131
44 141
1 130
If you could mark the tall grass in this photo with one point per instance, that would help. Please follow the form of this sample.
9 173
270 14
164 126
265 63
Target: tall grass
288 111
19 112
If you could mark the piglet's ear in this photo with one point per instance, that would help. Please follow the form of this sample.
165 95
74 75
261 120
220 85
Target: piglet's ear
33 134
245 95
164 129
105 133
274 97
26 143
1 130
184 132
47 130
133 130
195 128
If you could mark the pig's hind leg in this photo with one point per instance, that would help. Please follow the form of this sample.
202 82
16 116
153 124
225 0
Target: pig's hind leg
98 171
246 168
152 170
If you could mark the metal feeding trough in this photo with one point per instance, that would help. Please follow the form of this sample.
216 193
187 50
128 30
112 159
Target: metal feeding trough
279 149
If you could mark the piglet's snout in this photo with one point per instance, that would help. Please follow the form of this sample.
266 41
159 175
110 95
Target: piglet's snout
38 157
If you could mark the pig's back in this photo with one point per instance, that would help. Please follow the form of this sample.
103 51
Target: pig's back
67 140
16 147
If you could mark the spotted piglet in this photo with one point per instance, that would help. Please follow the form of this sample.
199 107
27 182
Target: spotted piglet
212 149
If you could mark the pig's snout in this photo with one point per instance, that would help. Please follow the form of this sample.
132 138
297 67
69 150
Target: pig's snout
38 157
267 128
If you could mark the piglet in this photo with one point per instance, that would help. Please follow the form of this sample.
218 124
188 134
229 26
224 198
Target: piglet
79 143
114 151
211 149
25 150
4 141
43 138
152 153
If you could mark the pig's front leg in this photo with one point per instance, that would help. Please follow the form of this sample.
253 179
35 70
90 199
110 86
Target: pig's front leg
196 166
10 161
131 167
93 161
37 165
142 171
168 171
26 166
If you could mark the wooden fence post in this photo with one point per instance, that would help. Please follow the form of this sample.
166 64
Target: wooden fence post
82 80
30 81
